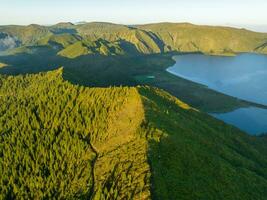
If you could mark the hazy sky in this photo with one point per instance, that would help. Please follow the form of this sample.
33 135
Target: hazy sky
247 13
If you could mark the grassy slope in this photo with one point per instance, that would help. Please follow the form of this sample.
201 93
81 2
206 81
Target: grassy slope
262 48
151 38
28 35
107 143
139 40
165 37
63 40
75 50
87 47
206 39
2 65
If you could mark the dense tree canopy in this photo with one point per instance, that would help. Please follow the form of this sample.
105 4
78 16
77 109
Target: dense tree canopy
49 129
64 141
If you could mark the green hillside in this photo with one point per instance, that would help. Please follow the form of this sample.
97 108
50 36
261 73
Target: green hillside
61 40
63 141
207 39
2 65
166 37
100 70
262 48
28 35
87 47
143 39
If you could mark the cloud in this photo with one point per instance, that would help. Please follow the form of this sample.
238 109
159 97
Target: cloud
7 42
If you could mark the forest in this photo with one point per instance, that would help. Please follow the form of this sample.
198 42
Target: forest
65 141
129 100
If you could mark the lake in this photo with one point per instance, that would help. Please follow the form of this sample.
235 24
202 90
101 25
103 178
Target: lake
243 76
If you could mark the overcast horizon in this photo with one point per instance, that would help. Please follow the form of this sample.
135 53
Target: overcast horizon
241 13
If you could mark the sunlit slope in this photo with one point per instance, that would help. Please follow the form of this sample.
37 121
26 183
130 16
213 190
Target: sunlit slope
128 37
142 39
165 37
2 65
60 140
63 141
87 47
27 35
262 48
194 156
208 39
59 40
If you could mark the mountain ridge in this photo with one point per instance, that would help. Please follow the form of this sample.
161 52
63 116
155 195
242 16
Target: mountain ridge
151 38
119 143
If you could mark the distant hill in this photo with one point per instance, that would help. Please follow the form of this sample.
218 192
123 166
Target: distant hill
207 39
65 141
146 39
27 35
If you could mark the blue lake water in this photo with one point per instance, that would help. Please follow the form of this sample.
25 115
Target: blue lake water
252 120
243 76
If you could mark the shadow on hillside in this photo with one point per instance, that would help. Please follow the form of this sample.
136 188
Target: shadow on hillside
127 70
39 59
64 30
87 70
194 156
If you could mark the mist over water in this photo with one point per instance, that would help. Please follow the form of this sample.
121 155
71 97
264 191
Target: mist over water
7 42
243 76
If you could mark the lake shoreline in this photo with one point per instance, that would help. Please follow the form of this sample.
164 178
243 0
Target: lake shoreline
249 103
231 117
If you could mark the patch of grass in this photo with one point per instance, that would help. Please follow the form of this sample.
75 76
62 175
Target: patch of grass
2 65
